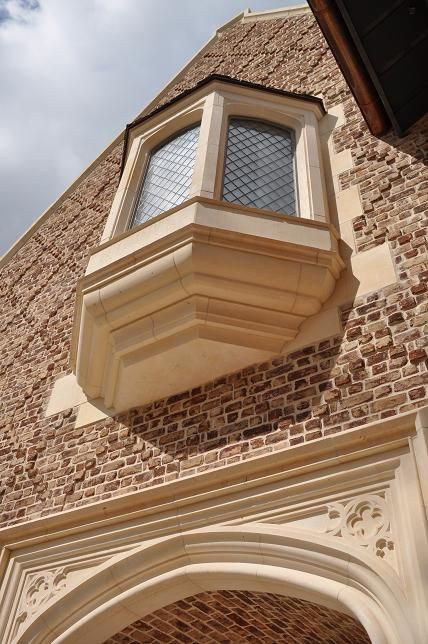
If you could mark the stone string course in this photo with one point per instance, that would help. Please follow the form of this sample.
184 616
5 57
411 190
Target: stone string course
376 369
228 617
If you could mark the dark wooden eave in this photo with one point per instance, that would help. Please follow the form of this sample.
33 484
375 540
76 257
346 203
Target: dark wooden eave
381 47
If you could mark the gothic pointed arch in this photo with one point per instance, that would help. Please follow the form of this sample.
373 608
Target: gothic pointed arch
274 559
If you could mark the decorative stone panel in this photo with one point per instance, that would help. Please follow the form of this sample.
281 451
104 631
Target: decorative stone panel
364 519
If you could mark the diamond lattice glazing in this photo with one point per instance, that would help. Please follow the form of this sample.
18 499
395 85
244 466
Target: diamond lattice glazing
168 177
259 168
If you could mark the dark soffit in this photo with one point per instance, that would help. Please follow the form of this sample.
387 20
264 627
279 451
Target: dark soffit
390 38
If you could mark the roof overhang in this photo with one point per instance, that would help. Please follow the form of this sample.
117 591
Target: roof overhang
382 50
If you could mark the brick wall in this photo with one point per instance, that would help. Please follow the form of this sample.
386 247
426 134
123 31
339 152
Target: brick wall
243 617
377 368
286 54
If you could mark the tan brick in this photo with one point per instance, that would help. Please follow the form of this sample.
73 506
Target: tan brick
388 403
357 399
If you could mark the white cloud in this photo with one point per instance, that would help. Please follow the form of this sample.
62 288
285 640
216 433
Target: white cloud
72 73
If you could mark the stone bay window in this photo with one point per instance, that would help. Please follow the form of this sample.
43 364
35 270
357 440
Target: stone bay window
216 249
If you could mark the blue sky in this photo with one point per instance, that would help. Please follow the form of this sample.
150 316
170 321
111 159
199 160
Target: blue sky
73 73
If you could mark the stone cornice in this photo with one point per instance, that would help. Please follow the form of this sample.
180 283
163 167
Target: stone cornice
389 435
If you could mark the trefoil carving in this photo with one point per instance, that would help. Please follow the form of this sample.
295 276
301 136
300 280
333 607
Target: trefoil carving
364 520
40 587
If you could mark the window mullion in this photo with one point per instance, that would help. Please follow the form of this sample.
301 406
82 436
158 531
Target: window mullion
204 174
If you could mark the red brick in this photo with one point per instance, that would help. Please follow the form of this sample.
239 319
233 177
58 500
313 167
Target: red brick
396 318
417 355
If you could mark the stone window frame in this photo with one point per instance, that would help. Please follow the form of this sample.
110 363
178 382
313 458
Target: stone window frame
213 105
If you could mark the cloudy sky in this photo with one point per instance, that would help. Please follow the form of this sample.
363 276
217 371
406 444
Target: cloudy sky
73 73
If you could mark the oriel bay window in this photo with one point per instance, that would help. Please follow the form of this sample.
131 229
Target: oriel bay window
216 249
228 141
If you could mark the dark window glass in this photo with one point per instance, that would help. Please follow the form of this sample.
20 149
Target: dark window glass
168 177
259 166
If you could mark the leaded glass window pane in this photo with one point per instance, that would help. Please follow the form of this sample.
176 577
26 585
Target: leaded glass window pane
168 177
259 167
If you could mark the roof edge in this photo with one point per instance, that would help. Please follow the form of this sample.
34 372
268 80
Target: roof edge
274 14
244 16
219 78
223 78
351 65
181 72
19 243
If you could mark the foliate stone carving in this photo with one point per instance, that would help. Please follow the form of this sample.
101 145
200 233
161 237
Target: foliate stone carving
364 520
39 588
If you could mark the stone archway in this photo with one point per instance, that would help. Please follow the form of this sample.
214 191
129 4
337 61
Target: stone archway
220 617
263 526
249 558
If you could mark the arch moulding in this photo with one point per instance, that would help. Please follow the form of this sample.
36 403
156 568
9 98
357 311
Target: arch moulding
325 522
